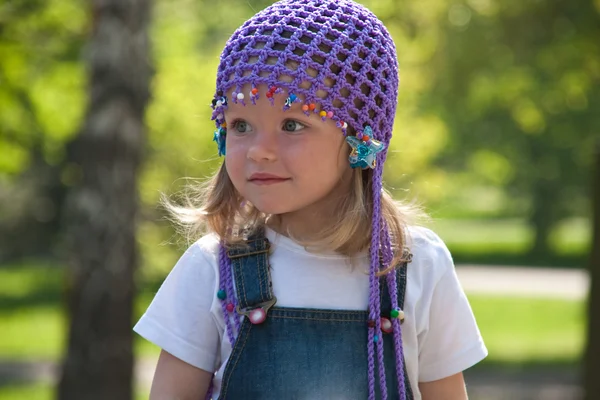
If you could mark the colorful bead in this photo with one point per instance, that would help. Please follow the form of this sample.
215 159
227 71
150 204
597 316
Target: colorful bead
397 313
240 96
289 101
230 307
376 338
344 125
305 108
221 294
253 95
323 114
273 89
257 316
371 323
224 125
365 138
386 325
330 114
219 137
312 106
269 95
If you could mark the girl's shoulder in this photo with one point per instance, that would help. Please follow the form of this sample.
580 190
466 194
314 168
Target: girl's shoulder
207 244
422 238
429 252
201 257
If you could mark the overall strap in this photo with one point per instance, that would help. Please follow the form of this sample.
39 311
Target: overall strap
250 265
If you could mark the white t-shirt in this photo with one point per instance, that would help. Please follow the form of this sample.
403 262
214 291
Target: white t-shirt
440 336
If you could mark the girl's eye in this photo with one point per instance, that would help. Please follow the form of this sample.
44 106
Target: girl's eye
291 125
241 126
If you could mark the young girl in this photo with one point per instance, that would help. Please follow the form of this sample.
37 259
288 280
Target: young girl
310 283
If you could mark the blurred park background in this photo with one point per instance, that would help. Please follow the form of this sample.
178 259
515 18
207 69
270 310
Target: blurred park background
499 112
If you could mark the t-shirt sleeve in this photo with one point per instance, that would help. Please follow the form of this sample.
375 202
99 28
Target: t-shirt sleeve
452 341
179 319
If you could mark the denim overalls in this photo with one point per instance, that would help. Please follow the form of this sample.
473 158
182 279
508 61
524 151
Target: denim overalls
299 353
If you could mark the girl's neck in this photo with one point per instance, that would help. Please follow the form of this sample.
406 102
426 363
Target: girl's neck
301 225
309 223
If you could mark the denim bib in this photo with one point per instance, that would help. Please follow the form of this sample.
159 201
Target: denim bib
299 353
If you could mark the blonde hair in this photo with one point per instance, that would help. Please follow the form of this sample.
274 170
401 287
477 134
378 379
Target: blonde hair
216 206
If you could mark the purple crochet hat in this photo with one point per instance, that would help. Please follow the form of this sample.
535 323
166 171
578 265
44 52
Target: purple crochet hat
338 59
336 55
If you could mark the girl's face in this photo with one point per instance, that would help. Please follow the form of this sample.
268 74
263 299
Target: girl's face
283 161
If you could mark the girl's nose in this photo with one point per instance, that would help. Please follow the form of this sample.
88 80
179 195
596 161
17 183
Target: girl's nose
263 147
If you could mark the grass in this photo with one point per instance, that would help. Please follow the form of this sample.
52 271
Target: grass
39 332
32 332
30 392
507 241
32 318
42 392
519 330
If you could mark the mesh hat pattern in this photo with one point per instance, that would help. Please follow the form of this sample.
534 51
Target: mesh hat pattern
333 53
338 58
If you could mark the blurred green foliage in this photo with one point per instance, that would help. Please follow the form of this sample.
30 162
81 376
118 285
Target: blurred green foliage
497 108
42 92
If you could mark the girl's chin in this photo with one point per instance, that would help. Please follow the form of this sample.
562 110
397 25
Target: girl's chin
272 208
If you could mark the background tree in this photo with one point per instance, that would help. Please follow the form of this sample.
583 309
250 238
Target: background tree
40 107
592 354
102 206
518 87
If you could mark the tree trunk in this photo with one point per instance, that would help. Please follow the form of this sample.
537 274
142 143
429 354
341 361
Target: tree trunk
592 354
542 218
102 208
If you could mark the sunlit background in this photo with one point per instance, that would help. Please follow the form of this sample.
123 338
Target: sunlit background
498 113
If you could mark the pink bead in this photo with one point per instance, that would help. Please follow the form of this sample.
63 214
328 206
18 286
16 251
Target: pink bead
330 114
257 316
386 325
230 307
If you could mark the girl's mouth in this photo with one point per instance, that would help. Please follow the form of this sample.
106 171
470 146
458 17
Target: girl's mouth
266 179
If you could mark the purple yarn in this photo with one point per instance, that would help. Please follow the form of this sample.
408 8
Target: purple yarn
224 278
210 390
374 300
231 291
393 291
371 363
226 284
